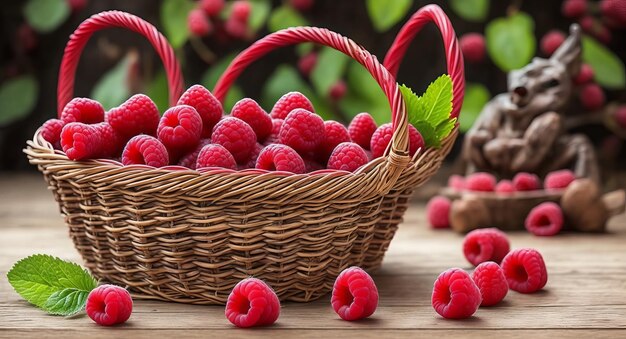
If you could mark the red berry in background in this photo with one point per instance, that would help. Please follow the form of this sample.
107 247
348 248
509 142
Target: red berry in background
307 63
338 90
438 212
288 103
574 8
212 7
277 157
361 129
592 97
347 156
303 131
620 116
83 110
491 282
526 182
585 75
198 23
146 150
615 11
236 136
559 179
480 181
109 305
505 187
551 41
545 219
456 182
587 23
236 28
249 111
77 5
473 47
241 10
26 38
252 303
51 132
603 33
301 5
354 295
214 155
209 108
455 294
137 115
485 244
525 270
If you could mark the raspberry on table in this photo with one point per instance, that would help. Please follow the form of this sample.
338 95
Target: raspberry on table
354 295
214 155
198 23
209 108
302 130
438 212
254 155
485 244
559 179
525 270
585 75
277 157
145 150
480 181
51 132
236 136
80 141
382 137
180 129
85 110
456 182
109 305
473 47
491 282
551 41
249 111
112 142
361 129
545 219
252 303
336 133
138 115
288 103
505 186
347 156
455 295
526 182
189 160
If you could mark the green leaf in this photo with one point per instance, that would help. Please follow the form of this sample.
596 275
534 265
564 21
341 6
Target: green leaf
157 90
285 17
364 95
330 66
608 68
46 15
259 13
68 301
476 96
174 19
40 277
209 79
511 42
471 10
18 97
385 14
112 88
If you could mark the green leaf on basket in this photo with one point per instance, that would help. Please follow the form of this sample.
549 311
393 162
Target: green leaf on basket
174 19
364 95
52 284
46 15
329 68
112 88
285 17
18 97
157 90
608 68
471 10
511 42
476 96
385 14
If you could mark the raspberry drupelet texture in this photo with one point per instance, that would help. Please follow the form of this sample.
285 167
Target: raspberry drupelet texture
274 137
361 129
473 47
252 303
252 158
491 282
505 187
109 305
112 142
214 155
302 130
485 244
455 295
526 182
236 136
180 129
189 159
456 182
525 270
336 133
277 157
51 132
288 103
480 181
559 179
354 295
83 110
138 115
347 156
145 150
545 219
382 137
80 141
249 111
209 108
438 212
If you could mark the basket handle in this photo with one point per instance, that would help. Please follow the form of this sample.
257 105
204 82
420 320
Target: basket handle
454 57
81 35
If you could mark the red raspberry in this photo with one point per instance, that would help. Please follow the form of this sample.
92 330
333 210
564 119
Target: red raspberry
551 41
592 97
251 162
559 179
526 182
26 38
249 111
491 282
338 90
545 219
620 116
180 129
109 305
480 181
138 115
301 5
336 133
416 142
302 130
209 108
51 131
505 186
145 150
236 136
212 7
438 212
456 182
347 156
574 8
189 160
288 103
361 129
485 244
473 47
80 141
198 23
587 23
455 295
585 75
525 270
83 110
252 303
214 155
355 295
307 63
112 142
274 138
615 11
277 157
236 28
382 137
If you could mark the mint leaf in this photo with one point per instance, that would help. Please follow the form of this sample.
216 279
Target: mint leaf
41 280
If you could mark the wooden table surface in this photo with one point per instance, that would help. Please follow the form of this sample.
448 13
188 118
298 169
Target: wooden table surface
585 295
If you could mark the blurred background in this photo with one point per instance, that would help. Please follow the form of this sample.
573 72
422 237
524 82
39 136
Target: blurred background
496 36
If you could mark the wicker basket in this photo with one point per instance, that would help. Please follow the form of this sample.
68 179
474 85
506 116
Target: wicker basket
189 236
